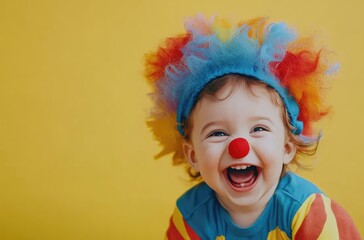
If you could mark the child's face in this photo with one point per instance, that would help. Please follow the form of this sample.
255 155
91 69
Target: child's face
239 114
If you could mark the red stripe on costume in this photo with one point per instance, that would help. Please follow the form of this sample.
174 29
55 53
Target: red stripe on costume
314 221
345 224
172 232
192 234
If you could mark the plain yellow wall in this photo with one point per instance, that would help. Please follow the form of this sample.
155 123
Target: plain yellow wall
76 159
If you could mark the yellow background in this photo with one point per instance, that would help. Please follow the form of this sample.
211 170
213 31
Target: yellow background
76 159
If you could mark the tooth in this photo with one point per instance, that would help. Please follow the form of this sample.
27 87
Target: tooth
240 167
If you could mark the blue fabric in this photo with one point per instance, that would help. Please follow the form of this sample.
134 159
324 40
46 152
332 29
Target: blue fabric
203 212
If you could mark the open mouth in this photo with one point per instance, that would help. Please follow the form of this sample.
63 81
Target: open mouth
242 177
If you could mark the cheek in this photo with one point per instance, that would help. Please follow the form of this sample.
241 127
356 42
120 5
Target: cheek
270 152
209 155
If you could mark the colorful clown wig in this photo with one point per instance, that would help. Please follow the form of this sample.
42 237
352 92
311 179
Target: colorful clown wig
272 53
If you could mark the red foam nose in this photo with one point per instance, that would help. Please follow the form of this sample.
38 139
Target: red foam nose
239 148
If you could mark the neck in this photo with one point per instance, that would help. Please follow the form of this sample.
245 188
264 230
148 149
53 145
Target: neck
245 219
245 216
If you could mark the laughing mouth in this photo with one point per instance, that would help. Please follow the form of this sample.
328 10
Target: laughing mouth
243 176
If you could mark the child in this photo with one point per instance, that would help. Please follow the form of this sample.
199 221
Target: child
243 98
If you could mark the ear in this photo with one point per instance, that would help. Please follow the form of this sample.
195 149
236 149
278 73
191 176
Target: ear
189 153
289 151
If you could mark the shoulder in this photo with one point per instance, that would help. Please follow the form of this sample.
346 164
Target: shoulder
196 215
316 215
198 198
296 188
291 193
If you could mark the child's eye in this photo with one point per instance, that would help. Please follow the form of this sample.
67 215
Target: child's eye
258 129
217 134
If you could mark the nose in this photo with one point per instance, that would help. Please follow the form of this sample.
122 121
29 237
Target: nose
239 148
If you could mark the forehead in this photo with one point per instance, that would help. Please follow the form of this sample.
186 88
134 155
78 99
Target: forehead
238 101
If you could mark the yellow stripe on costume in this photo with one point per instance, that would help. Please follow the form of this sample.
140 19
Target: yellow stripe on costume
179 223
330 230
301 214
277 234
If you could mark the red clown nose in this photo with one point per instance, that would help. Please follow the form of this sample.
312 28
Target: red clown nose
239 148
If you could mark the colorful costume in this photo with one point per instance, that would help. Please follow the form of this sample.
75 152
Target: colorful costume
297 210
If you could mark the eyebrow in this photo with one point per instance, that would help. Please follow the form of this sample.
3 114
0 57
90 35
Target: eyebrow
257 118
209 124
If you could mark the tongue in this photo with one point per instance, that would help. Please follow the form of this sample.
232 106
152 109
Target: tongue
241 176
